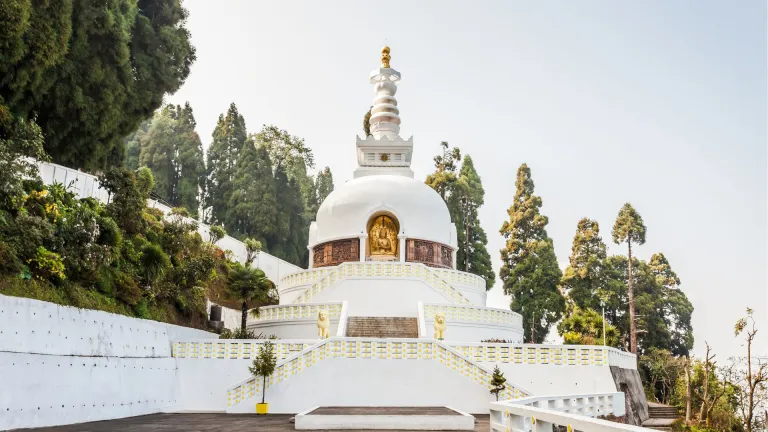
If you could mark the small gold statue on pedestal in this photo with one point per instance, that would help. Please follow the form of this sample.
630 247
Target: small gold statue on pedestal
323 324
439 326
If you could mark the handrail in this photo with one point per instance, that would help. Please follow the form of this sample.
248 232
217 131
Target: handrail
371 348
352 269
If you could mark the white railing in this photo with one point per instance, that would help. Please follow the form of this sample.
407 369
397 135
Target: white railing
462 278
384 269
369 348
85 185
622 359
568 355
237 349
474 314
303 277
341 330
294 311
451 276
575 412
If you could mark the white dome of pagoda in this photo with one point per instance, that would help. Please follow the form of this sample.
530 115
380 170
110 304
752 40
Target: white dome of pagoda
418 209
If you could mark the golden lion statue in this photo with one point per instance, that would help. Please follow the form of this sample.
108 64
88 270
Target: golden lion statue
323 324
439 326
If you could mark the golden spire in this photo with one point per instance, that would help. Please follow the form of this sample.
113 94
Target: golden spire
385 57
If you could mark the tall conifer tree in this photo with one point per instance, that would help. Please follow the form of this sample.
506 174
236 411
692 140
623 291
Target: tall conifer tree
629 228
253 206
324 184
158 147
189 162
529 266
228 139
584 278
465 198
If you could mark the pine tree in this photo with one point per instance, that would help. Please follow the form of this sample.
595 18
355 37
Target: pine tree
498 382
529 266
291 233
629 229
189 161
228 139
92 71
132 145
584 278
324 184
253 205
676 308
446 165
465 198
158 146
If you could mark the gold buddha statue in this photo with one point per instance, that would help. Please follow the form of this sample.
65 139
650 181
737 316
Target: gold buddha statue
382 237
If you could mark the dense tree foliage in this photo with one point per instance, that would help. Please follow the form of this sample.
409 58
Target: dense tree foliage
91 72
584 280
228 139
253 205
585 327
529 266
173 151
121 257
466 195
459 184
324 184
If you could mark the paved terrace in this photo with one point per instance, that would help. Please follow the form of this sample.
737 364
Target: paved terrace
202 423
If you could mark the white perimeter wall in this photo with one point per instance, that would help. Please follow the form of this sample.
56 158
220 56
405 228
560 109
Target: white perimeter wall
557 379
380 297
62 365
373 382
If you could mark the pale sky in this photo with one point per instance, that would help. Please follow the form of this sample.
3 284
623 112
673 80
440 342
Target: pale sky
661 104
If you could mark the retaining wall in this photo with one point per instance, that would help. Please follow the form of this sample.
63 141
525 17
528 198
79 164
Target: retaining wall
63 365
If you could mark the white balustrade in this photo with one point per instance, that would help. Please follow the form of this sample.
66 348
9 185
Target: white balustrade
474 314
569 355
296 311
575 412
236 349
384 269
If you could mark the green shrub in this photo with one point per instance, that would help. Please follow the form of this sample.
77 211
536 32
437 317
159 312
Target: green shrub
127 289
141 309
47 265
109 232
154 262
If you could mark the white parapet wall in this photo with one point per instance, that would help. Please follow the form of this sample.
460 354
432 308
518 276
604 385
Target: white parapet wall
85 185
474 323
295 321
575 412
62 365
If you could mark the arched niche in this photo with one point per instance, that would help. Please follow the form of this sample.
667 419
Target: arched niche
383 243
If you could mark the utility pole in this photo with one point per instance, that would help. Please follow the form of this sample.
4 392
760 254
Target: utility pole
603 324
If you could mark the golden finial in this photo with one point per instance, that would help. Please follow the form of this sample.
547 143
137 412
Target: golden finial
385 57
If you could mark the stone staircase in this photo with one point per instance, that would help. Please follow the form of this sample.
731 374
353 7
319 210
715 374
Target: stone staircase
382 327
660 417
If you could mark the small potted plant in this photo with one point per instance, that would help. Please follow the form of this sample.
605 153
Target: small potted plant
263 366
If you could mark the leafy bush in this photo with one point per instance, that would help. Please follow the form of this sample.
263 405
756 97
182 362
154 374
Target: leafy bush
47 265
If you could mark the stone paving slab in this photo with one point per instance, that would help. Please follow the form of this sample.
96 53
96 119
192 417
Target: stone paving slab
203 423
